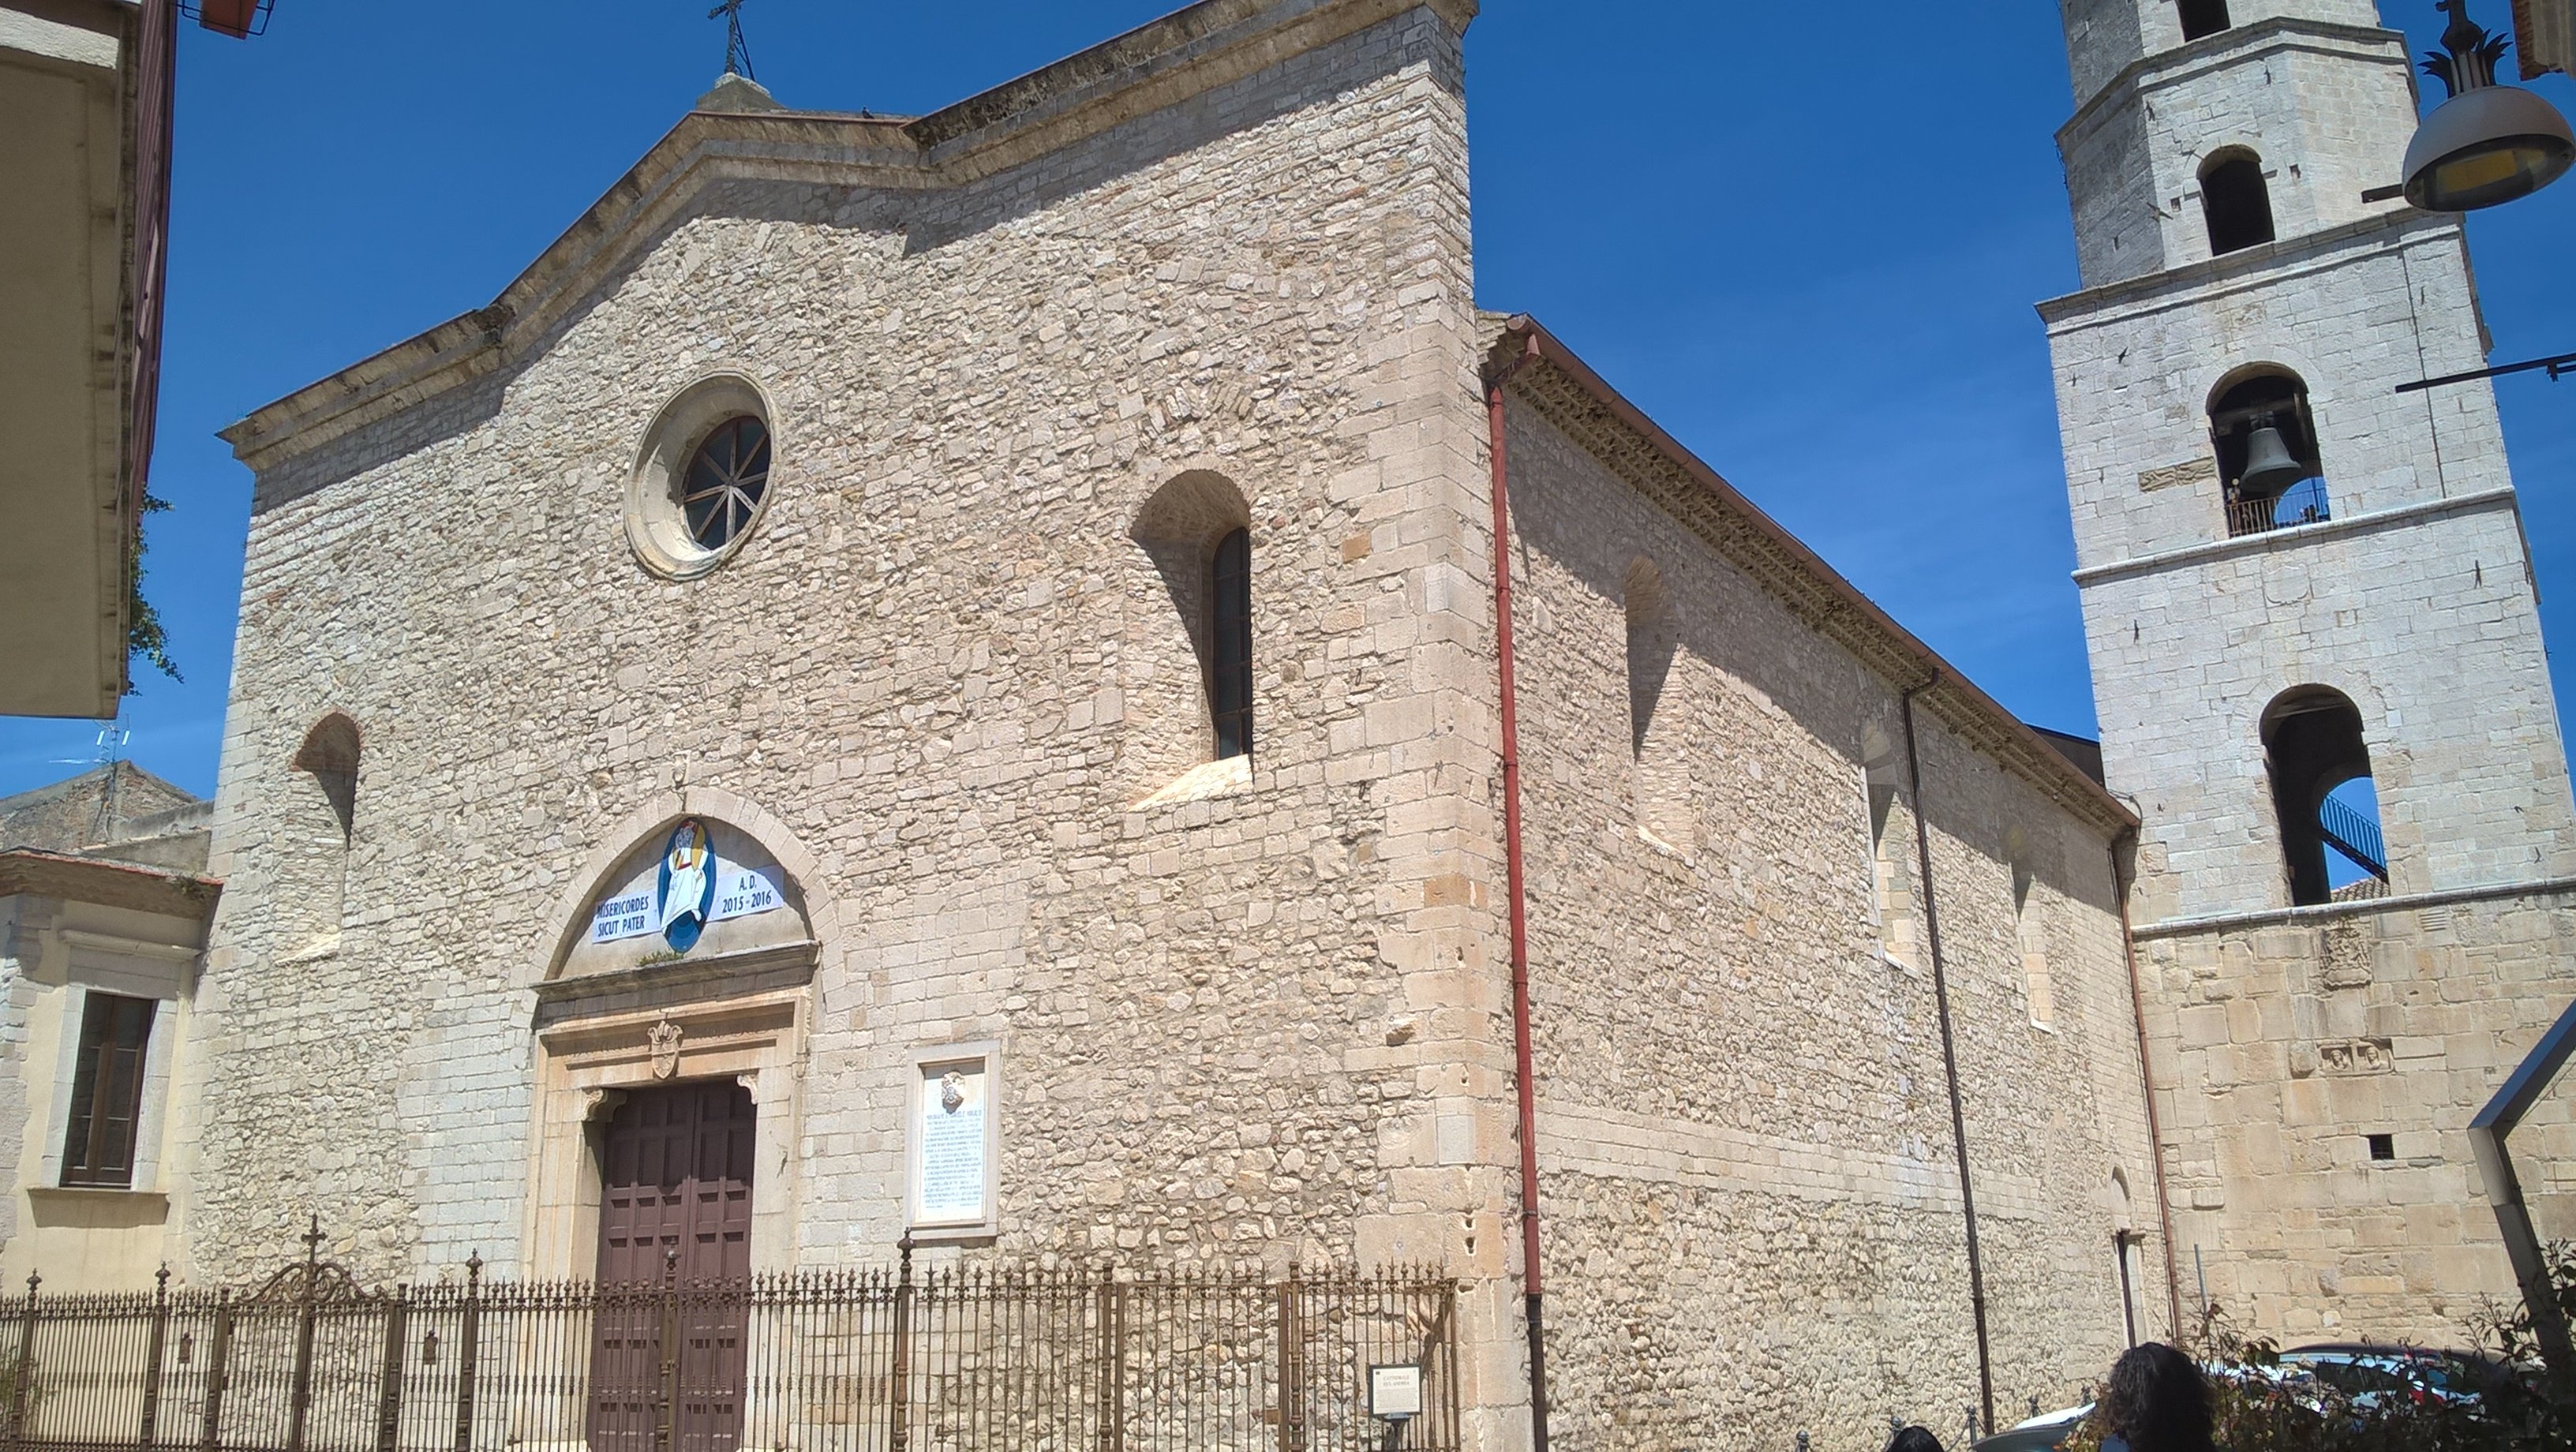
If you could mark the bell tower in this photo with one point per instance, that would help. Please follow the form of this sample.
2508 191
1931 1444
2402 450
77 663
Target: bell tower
2316 657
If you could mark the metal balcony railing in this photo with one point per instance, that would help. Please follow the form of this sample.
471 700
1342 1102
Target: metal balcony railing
2355 836
2301 503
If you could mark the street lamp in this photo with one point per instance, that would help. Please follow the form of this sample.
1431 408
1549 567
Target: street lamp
2490 143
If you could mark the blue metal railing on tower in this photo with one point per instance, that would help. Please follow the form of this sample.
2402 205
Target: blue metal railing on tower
2353 835
2302 503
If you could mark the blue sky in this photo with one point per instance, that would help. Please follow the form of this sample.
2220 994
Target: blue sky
1810 251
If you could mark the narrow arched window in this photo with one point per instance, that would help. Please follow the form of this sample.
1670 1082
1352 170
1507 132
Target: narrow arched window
1667 807
2235 202
1230 641
330 756
1650 649
321 818
2203 17
2321 789
2268 462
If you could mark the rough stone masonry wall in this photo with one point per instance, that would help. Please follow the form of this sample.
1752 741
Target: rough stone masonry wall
2281 1045
1753 1211
1219 1019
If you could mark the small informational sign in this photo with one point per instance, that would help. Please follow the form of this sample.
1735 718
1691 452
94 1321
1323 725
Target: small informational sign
952 1144
1395 1392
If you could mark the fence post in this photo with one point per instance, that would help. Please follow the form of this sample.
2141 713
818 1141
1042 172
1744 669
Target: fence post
217 1356
389 1394
152 1367
666 1410
1292 1399
299 1393
26 1367
469 1341
1113 1360
899 1427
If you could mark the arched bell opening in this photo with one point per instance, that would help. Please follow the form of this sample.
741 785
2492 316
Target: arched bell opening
2323 794
2268 462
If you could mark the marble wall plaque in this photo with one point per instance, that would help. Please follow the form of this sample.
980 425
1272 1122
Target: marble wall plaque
953 1136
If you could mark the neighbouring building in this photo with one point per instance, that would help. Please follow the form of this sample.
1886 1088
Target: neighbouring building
2317 662
85 103
946 672
2545 34
103 910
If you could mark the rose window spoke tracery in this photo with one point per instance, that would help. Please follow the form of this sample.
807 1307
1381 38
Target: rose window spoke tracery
725 481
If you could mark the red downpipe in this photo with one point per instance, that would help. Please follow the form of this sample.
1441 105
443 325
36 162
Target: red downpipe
2147 1085
1514 879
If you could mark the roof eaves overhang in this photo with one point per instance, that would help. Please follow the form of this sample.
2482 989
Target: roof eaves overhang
1579 402
86 180
30 872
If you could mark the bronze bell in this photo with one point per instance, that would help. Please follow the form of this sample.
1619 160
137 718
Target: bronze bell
2269 469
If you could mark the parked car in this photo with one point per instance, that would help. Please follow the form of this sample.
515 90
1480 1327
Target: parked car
2043 1433
2370 1375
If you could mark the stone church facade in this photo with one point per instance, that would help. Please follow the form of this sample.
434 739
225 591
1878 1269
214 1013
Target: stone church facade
970 789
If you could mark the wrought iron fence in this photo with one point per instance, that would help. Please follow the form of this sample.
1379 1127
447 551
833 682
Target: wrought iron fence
1047 1360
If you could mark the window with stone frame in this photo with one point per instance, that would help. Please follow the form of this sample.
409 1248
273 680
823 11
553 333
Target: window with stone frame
107 1091
2203 17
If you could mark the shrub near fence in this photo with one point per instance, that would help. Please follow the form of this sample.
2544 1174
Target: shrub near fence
871 1361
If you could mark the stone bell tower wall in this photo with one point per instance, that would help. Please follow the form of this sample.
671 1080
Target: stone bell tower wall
2316 1064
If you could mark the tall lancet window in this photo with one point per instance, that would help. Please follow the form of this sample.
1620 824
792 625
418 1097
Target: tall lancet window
2203 17
312 849
2235 202
1230 642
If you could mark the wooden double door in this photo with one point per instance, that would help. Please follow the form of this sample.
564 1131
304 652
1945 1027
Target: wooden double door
674 1269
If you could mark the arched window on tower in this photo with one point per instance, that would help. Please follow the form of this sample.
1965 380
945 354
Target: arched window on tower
2203 17
2235 201
2321 788
2268 463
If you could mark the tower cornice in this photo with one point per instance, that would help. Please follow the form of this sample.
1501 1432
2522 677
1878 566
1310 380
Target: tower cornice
2198 282
2255 38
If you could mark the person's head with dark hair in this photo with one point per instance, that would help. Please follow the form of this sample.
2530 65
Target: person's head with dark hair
1914 1439
2157 1401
